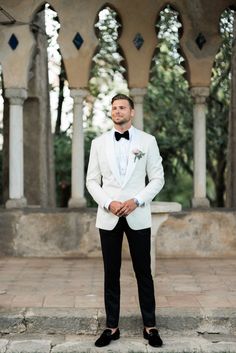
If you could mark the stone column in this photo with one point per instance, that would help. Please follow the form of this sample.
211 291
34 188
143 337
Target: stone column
16 149
138 96
199 149
38 142
77 179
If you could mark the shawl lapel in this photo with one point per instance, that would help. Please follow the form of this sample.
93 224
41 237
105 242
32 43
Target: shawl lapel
131 163
111 157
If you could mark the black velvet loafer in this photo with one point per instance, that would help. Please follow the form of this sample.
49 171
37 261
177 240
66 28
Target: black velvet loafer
153 337
106 337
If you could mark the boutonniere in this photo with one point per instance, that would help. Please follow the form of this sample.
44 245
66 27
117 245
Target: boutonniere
137 154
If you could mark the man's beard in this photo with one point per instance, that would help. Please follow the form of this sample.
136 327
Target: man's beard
121 122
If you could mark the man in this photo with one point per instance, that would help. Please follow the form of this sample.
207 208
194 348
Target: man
120 160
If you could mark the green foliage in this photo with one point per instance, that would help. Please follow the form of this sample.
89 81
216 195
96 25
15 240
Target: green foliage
1 178
1 137
107 70
218 113
168 112
107 60
62 149
90 134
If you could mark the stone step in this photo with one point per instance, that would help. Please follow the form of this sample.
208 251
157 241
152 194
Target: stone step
85 344
92 321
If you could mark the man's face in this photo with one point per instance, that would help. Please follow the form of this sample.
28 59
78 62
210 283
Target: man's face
121 112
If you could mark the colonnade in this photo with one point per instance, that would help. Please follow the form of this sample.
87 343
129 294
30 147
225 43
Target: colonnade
17 97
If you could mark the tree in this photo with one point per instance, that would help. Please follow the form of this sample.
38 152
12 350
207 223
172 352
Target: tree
1 154
62 79
1 174
62 149
231 168
168 113
57 72
218 113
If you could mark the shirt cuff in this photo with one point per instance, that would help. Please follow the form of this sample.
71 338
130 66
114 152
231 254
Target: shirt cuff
140 201
107 204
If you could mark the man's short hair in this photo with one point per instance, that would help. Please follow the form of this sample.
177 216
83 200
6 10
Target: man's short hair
123 96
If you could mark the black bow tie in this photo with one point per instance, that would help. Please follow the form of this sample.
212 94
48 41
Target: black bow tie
118 136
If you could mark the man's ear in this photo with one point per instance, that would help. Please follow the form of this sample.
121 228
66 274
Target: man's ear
132 113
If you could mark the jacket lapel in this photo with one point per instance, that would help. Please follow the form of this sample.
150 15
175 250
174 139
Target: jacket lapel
131 163
111 157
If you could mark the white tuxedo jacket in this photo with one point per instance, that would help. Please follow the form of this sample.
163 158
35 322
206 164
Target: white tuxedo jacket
104 183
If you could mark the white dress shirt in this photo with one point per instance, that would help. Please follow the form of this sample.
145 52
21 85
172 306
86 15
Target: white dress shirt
122 148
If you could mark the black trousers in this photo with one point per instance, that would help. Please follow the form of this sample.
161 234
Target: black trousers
140 246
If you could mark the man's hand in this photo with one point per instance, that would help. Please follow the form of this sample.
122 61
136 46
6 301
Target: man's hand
115 207
126 208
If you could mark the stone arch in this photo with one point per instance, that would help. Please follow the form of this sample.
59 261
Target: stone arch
33 21
77 58
200 40
112 7
181 31
180 34
16 70
108 63
39 6
138 40
119 46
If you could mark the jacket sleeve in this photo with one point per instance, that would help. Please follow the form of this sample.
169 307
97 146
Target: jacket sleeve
94 178
155 173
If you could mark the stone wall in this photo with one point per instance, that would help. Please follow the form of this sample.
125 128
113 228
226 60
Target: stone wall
70 233
198 233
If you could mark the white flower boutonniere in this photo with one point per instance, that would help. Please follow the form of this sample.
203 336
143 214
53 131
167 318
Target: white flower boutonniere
137 154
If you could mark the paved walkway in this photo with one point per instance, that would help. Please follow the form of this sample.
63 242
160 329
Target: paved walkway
56 306
78 283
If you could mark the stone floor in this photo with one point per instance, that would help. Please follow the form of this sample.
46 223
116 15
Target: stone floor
78 283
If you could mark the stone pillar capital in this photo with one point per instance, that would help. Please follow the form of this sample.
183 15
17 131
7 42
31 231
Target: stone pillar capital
17 96
138 94
78 94
200 94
